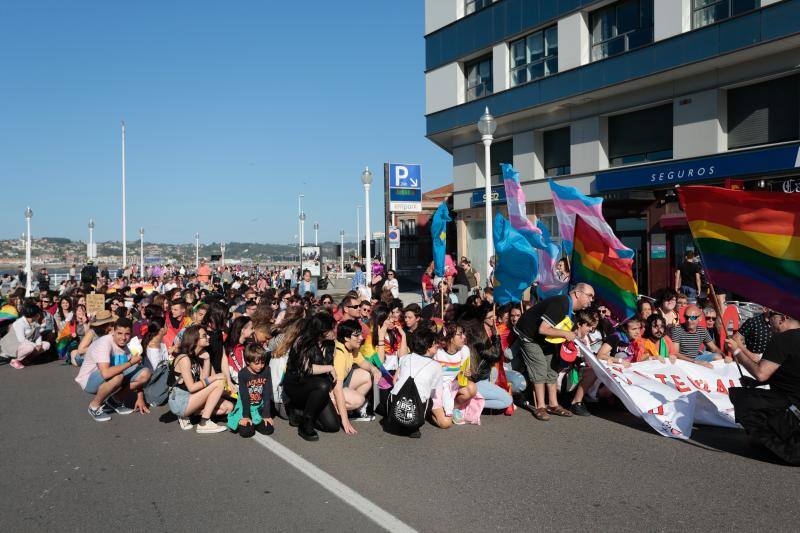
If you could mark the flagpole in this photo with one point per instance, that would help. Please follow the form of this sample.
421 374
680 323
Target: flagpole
719 325
124 240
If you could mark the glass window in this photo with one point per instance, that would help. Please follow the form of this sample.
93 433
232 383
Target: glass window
705 12
640 136
557 152
621 27
764 113
500 152
534 56
479 78
471 6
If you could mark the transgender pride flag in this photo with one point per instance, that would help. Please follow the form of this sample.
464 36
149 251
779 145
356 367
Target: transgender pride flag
569 202
537 236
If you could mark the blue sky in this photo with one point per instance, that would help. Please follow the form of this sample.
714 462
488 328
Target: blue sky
232 108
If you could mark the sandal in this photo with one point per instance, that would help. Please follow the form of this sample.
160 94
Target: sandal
559 411
541 414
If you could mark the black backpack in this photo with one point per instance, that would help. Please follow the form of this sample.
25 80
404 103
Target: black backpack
405 409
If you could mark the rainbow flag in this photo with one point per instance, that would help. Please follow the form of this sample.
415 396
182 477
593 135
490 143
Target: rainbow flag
65 342
8 312
749 242
596 261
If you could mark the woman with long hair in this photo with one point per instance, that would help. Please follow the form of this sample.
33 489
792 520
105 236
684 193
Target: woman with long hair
278 348
388 338
233 362
194 388
214 324
153 342
310 376
455 390
64 312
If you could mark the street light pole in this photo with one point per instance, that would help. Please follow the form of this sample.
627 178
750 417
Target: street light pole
302 236
124 240
28 216
141 252
91 239
222 249
196 252
300 229
487 127
366 179
316 233
358 232
341 236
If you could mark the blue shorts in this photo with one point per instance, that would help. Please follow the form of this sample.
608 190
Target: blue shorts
706 357
96 379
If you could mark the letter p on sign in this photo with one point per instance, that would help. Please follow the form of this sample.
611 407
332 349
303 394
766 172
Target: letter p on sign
400 175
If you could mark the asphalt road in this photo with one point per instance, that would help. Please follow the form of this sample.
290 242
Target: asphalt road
62 471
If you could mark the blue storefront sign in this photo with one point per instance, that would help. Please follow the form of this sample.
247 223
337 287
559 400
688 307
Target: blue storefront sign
764 161
479 196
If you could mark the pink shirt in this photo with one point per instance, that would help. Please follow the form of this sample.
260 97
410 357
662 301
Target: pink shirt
100 351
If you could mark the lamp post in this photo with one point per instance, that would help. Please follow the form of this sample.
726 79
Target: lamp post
29 275
196 251
300 228
358 232
487 127
316 233
141 251
366 179
222 249
124 240
302 240
341 236
90 251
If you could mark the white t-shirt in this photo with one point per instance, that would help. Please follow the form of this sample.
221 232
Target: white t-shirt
426 372
277 367
100 351
393 286
156 355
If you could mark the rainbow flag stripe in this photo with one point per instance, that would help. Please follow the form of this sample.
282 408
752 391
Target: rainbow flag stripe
749 242
596 261
8 312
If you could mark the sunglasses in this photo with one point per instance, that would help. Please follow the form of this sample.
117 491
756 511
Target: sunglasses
692 317
351 306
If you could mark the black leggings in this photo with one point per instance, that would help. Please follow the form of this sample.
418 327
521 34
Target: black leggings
312 395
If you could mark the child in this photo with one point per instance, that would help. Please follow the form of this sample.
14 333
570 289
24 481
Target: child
252 409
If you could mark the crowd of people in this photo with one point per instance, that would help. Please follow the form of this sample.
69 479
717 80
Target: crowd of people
232 349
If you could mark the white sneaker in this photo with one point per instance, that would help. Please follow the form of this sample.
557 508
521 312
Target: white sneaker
185 423
210 427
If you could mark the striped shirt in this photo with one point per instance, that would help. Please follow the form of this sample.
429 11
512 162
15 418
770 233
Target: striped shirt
690 342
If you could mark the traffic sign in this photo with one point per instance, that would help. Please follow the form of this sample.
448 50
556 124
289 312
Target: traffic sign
394 237
405 188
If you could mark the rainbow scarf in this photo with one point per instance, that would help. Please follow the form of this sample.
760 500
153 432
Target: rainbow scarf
595 261
749 242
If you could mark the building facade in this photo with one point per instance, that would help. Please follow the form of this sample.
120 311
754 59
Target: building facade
624 99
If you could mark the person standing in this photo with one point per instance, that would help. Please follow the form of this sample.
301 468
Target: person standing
687 277
540 356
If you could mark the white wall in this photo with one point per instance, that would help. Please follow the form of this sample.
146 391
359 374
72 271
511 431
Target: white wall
588 138
525 158
501 76
671 17
697 129
467 174
440 13
573 41
444 87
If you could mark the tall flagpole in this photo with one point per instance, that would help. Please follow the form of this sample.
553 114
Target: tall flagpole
124 240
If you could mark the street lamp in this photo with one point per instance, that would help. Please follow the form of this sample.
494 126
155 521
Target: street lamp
141 252
487 127
341 236
196 251
28 216
366 179
222 249
90 251
316 233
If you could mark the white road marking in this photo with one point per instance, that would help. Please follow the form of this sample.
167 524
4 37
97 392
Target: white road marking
381 517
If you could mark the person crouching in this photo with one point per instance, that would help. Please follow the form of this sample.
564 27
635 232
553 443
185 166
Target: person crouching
252 410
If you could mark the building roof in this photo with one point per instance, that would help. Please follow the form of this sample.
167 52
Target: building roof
440 193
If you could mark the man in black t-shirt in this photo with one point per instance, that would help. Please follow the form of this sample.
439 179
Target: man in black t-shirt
687 277
540 356
779 366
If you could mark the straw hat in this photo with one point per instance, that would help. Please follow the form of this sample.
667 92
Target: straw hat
102 317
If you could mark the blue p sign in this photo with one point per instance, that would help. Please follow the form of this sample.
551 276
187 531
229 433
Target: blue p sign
405 176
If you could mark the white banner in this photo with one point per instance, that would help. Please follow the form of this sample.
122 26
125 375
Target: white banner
671 397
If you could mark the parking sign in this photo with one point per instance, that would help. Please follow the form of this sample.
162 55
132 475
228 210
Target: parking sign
405 188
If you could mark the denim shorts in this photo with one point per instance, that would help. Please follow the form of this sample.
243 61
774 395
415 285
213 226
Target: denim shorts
96 379
178 401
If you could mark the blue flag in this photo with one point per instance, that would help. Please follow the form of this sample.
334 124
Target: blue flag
439 237
515 262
